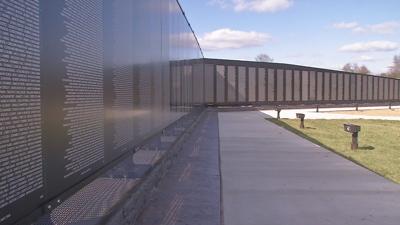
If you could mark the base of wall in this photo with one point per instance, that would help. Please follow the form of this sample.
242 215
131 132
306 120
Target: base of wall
119 194
129 209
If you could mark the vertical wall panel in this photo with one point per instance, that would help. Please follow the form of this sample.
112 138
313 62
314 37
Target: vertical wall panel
198 83
304 85
340 86
271 85
220 79
146 96
288 85
334 86
172 85
242 83
189 87
353 87
376 88
313 89
364 87
22 180
252 84
391 89
297 85
327 85
231 88
382 91
396 90
386 88
346 87
209 83
280 87
359 84
370 88
320 80
261 84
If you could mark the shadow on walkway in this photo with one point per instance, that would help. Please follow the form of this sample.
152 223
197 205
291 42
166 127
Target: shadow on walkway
190 192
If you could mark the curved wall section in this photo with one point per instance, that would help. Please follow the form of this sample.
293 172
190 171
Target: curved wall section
286 84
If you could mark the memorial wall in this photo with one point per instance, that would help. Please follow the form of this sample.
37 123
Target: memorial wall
82 83
232 82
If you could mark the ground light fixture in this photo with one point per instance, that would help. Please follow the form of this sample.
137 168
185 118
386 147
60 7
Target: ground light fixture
301 116
353 129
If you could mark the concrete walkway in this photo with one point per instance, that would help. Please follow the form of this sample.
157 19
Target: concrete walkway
273 177
189 194
329 113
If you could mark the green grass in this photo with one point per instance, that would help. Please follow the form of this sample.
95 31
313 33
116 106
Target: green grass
379 142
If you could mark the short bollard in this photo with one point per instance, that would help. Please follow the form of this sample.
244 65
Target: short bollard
317 108
353 129
301 116
390 105
356 107
278 112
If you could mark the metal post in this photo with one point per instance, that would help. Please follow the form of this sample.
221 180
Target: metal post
317 108
354 141
390 105
301 116
356 107
353 129
278 112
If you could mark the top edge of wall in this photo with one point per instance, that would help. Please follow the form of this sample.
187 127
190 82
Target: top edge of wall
288 66
191 28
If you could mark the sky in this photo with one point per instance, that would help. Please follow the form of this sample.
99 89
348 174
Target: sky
319 33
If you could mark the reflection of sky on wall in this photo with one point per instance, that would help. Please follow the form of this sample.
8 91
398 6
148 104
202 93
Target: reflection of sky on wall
124 32
184 40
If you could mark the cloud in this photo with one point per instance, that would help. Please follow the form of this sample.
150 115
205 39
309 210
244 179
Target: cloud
366 58
261 5
372 46
388 27
221 3
344 25
232 39
253 5
384 28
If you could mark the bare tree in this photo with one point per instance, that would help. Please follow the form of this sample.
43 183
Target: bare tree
355 68
364 70
264 58
348 67
394 70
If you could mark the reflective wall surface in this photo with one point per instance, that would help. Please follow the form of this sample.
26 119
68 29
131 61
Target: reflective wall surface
81 83
248 83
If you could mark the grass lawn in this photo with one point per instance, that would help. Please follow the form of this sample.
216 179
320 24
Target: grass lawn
379 142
